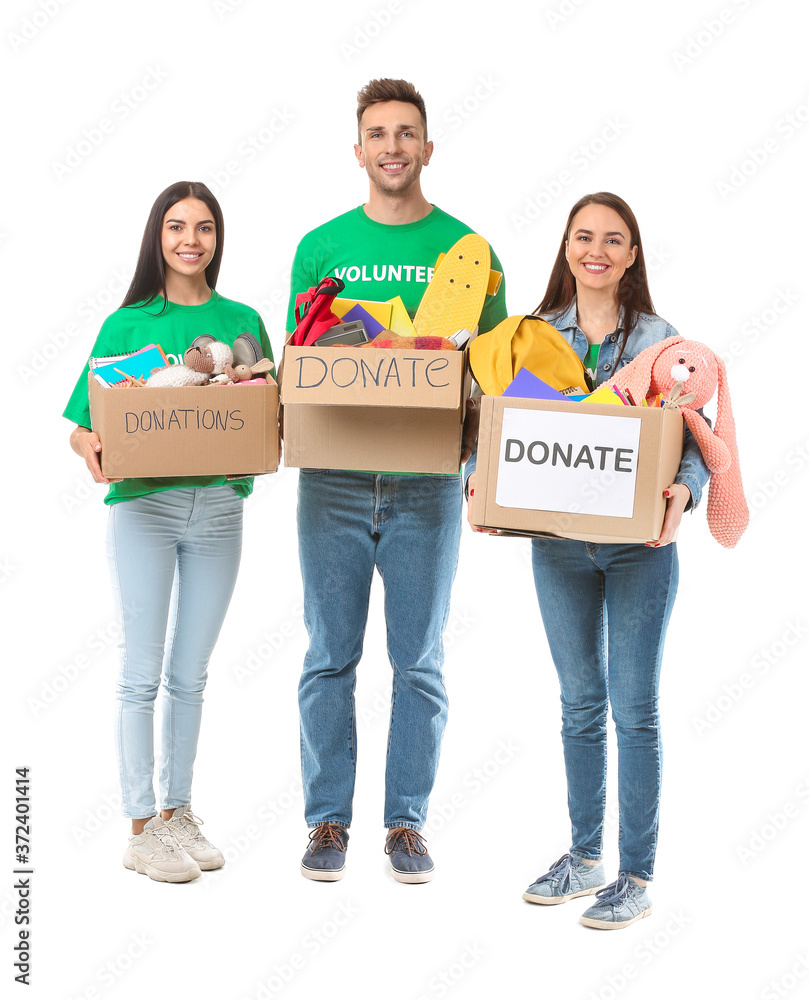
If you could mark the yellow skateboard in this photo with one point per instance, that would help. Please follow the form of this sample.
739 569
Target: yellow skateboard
454 298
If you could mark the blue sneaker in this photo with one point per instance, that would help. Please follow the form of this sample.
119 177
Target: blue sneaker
568 878
409 860
620 904
324 860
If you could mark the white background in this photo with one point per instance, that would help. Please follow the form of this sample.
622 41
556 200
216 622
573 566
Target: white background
639 98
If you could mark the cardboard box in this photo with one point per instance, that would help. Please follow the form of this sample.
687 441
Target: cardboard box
374 410
209 430
575 470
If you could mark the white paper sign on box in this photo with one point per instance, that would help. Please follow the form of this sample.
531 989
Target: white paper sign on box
576 463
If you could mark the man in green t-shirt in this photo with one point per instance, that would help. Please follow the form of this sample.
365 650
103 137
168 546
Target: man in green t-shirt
405 526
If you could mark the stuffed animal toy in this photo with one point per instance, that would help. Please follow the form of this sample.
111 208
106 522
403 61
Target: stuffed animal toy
222 357
200 362
245 373
660 369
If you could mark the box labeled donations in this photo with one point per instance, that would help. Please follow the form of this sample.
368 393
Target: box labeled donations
373 409
209 430
575 470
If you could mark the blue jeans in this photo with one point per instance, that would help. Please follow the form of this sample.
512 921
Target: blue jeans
173 558
606 609
408 527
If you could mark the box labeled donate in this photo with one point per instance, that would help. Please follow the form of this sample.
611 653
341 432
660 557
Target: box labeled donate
575 470
208 430
374 410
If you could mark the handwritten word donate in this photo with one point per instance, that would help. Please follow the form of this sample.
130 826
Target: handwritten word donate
344 371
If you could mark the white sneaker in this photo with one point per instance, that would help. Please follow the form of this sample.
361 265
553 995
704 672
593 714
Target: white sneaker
185 827
156 853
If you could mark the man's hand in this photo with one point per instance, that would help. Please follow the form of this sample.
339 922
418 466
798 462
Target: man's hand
470 428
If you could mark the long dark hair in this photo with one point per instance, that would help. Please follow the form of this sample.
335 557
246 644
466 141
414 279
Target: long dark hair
149 281
633 289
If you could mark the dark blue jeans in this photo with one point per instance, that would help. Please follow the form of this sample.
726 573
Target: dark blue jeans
606 609
408 528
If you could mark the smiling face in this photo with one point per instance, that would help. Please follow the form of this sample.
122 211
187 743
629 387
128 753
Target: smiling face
393 147
598 247
188 238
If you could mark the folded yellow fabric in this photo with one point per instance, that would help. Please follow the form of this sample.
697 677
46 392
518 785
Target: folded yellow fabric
525 342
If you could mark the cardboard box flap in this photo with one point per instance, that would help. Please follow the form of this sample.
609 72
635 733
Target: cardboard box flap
336 376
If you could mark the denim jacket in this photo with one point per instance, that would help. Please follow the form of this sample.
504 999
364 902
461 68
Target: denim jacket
649 330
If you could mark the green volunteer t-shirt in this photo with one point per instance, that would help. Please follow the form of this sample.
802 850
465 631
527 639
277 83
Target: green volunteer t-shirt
131 328
591 361
378 262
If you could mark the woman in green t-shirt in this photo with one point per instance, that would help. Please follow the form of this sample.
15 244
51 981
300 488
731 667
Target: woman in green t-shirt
173 544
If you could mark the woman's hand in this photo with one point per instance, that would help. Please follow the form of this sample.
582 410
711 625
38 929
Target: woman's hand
678 496
472 525
88 444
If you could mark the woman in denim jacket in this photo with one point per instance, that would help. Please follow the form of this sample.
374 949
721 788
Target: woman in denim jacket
598 298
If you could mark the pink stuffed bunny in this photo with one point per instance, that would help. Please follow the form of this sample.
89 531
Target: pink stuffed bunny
659 369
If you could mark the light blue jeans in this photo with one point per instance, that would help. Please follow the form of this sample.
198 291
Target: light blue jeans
606 609
173 559
408 527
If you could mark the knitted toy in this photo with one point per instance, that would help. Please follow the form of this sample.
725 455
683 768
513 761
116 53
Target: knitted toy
199 364
674 365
